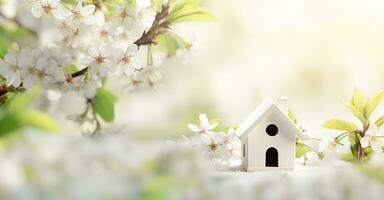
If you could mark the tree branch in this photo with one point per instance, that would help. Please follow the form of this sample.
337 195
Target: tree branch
158 26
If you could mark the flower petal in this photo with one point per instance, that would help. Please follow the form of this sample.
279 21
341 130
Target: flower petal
203 120
88 10
193 128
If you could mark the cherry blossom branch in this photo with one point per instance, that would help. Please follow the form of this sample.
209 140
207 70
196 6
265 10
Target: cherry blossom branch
158 26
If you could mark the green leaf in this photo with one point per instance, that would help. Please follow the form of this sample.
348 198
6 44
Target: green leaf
348 156
358 100
13 120
24 100
176 5
16 115
353 150
70 69
171 42
103 104
352 138
372 103
9 123
301 149
40 120
190 13
379 122
340 124
357 113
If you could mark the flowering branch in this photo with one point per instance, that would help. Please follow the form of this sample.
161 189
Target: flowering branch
364 140
159 25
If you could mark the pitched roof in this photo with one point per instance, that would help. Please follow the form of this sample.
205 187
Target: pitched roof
265 108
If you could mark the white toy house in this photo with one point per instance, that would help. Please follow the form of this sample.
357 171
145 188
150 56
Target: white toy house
268 137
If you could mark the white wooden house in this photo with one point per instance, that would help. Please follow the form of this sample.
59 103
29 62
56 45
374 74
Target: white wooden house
268 137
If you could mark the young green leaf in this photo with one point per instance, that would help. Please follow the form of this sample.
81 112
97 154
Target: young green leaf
348 156
352 138
22 101
190 13
176 5
301 149
14 120
358 100
9 122
70 69
340 124
357 113
40 120
171 42
372 103
103 104
380 121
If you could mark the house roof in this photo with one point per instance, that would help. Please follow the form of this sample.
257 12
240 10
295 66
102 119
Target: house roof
265 108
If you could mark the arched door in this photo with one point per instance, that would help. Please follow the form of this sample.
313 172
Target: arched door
272 157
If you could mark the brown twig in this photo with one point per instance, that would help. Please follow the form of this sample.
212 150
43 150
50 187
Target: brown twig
360 153
4 90
158 26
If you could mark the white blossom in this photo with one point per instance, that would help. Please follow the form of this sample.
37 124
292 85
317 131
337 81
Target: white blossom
204 127
49 7
10 70
330 148
100 61
373 139
213 145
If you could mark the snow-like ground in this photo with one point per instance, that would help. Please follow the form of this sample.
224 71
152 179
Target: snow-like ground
301 183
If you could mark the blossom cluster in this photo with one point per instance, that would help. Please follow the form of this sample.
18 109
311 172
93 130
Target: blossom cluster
87 37
219 146
45 66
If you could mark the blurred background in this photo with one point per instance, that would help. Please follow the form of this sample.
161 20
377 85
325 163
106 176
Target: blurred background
313 52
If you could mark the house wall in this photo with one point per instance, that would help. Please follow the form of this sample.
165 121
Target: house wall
259 141
244 159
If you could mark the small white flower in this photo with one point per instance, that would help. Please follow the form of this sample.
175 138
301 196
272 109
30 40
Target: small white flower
330 148
49 7
311 159
82 14
125 58
233 143
204 127
372 139
86 88
213 145
10 70
99 61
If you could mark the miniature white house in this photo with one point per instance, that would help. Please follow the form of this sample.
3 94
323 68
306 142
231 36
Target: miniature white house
268 137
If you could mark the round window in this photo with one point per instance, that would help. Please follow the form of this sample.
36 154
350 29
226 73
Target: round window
272 130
